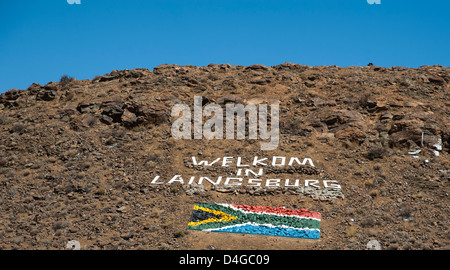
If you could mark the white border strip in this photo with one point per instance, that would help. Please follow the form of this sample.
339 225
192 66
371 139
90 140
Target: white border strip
259 224
265 213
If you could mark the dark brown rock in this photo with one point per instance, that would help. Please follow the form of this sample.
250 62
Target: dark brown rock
46 94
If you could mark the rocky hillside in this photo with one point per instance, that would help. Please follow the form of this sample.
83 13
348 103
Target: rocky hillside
78 157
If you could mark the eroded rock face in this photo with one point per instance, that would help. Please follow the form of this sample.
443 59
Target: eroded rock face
148 111
344 124
77 160
9 98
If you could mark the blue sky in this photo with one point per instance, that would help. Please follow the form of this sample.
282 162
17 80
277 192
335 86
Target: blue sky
40 40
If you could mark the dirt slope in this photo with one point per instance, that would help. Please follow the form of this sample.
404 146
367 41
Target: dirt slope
77 157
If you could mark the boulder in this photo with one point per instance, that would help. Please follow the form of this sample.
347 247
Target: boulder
113 110
146 111
87 107
258 67
230 99
129 119
46 94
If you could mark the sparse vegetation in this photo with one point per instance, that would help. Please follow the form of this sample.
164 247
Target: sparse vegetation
405 211
376 153
4 120
19 128
156 213
363 101
179 233
368 221
91 120
350 231
65 79
100 191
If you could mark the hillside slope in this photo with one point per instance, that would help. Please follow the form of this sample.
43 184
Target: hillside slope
77 157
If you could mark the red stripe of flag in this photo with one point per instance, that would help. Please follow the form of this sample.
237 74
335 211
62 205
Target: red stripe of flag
279 210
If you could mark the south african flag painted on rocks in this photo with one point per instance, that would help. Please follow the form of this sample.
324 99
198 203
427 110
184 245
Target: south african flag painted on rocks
280 221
